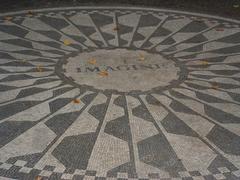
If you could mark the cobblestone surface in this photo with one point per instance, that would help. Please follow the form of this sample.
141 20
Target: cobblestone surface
119 93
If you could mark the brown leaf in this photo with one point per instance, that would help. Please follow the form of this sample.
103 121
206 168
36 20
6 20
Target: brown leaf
8 18
30 12
116 28
76 101
215 86
39 68
38 178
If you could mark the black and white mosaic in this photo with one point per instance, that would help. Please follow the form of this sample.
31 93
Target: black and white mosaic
119 93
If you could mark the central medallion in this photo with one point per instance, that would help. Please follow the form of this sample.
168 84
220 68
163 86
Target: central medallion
121 70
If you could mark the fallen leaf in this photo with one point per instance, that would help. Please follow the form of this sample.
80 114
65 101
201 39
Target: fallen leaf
116 28
76 101
29 13
39 68
8 18
141 57
215 86
103 73
204 63
67 42
92 61
38 178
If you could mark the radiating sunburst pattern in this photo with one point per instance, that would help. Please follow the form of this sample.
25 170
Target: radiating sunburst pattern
51 128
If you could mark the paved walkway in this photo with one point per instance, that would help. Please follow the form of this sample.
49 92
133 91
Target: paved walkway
119 93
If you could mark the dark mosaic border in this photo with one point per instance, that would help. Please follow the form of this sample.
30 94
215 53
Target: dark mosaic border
17 171
224 8
122 9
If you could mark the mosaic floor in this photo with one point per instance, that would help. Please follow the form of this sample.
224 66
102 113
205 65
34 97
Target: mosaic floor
119 93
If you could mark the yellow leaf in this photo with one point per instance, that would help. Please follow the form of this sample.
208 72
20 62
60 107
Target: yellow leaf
67 42
204 63
141 57
92 61
103 73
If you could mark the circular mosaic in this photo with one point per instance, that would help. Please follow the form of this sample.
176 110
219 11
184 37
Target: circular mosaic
121 70
119 93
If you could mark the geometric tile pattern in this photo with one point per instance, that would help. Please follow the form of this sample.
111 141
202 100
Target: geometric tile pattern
190 130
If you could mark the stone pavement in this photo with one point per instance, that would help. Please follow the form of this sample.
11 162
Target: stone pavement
225 8
119 93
